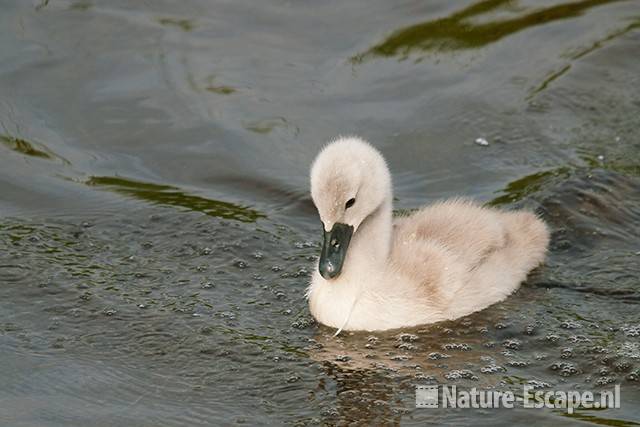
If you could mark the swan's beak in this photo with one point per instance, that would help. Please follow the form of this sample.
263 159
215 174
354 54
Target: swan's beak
334 250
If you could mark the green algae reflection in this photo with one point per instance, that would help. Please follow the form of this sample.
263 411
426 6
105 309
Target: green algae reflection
31 149
183 24
172 196
24 147
523 187
457 32
520 188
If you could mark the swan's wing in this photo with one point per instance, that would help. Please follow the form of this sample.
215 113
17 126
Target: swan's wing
487 252
432 271
469 231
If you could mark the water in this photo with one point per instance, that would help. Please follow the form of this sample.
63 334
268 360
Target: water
156 232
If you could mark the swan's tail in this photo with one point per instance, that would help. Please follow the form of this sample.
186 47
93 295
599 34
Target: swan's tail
525 246
528 239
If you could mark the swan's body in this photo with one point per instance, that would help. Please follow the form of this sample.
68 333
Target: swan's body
441 262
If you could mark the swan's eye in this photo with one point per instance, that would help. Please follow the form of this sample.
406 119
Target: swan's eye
349 203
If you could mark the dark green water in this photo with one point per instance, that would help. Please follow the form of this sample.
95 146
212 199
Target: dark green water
156 232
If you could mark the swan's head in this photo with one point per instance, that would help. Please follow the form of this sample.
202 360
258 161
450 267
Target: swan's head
349 181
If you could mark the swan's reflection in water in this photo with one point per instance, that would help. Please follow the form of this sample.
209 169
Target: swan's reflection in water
376 373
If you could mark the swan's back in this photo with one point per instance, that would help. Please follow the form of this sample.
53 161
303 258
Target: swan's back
476 255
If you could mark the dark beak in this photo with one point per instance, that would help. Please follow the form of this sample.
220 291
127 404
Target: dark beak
334 250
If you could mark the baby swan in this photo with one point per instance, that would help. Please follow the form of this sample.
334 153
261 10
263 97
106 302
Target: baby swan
442 262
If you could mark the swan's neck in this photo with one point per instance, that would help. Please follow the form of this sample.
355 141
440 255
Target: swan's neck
370 245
